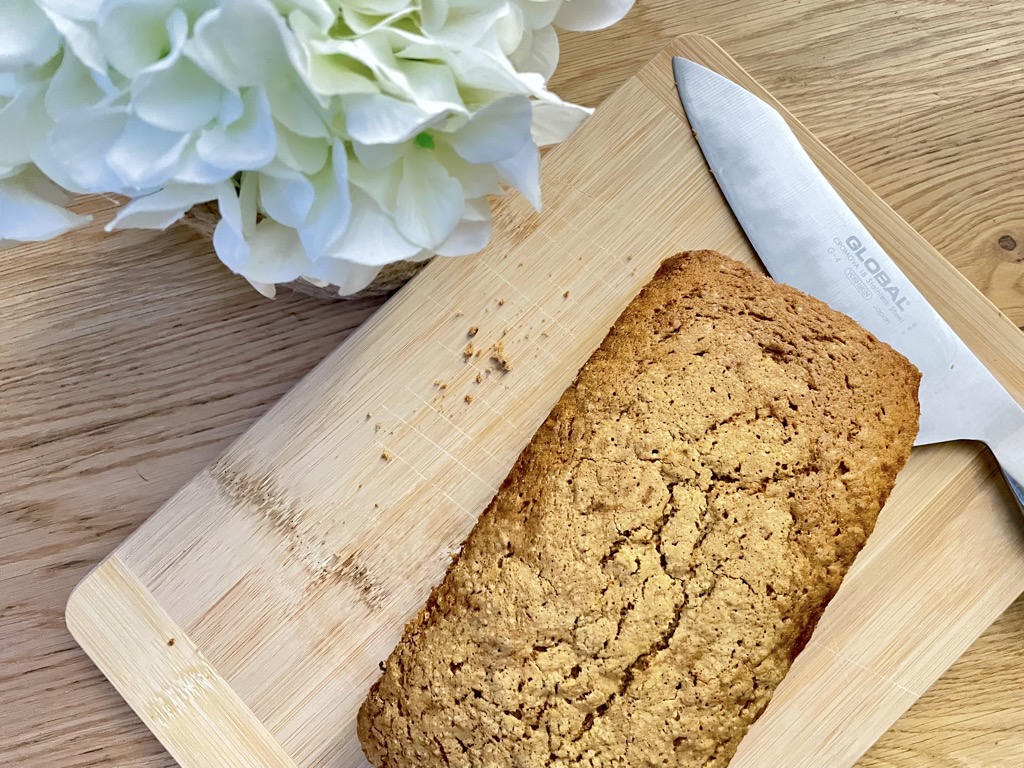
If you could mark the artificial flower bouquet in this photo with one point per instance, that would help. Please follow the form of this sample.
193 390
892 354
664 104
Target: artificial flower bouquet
320 140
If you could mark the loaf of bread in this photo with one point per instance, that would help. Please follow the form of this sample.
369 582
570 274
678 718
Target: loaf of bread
664 546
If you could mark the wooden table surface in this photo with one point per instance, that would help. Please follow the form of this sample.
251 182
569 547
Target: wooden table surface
130 361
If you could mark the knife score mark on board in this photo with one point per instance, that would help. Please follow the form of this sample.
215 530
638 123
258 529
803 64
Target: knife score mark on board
286 518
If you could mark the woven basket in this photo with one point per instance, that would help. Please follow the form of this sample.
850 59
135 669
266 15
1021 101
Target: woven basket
203 218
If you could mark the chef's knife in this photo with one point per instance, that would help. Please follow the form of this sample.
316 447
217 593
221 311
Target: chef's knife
807 237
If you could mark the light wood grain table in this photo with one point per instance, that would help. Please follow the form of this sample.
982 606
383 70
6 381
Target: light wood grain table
130 361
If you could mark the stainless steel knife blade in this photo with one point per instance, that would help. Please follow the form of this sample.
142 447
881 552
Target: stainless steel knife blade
808 237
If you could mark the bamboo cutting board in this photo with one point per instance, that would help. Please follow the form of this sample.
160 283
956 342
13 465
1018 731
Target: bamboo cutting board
245 620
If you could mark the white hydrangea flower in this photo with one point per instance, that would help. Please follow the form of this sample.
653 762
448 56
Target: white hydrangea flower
336 136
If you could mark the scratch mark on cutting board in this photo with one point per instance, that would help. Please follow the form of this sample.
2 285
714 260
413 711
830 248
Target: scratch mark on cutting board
299 532
844 660
347 569
184 696
261 495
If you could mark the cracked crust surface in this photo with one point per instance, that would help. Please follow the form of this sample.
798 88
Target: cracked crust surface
664 546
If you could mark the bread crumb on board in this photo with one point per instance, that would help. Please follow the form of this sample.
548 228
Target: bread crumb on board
473 331
468 398
501 302
498 356
479 378
565 295
386 455
440 384
468 351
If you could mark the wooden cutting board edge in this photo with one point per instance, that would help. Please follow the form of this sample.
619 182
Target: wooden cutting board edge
111 595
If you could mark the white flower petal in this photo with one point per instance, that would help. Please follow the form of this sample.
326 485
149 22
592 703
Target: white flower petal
433 13
137 35
301 153
326 75
496 132
23 122
144 157
27 38
379 119
231 107
246 144
293 107
538 52
409 46
523 173
248 195
332 205
372 55
162 208
587 15
371 237
192 169
365 17
349 278
430 202
26 215
71 87
241 44
10 85
74 153
539 13
468 237
264 253
229 236
364 24
336 75
285 195
178 98
275 254
478 209
113 92
79 38
376 7
43 159
554 122
79 10
380 184
38 185
487 70
510 29
432 88
319 12
477 179
461 22
269 290
377 157
429 86
206 49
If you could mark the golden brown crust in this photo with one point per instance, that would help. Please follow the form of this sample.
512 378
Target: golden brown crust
664 546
